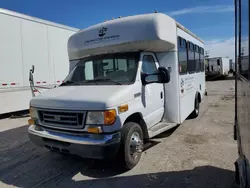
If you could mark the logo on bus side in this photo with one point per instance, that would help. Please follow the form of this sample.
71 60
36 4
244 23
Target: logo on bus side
102 31
182 84
102 37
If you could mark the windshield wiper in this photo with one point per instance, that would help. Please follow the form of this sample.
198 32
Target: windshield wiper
104 79
89 81
67 83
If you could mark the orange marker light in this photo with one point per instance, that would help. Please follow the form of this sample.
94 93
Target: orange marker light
123 108
95 130
31 122
109 117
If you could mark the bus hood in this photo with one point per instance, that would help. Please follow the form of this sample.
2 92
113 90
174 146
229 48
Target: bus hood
97 97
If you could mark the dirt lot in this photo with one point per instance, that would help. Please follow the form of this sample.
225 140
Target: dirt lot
198 154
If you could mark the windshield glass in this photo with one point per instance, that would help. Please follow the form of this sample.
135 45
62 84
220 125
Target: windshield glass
110 69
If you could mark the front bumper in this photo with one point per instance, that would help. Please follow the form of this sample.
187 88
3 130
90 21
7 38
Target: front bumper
96 146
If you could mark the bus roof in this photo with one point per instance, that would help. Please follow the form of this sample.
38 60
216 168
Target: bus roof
154 32
188 31
33 19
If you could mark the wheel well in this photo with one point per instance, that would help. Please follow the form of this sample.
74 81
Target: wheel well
137 118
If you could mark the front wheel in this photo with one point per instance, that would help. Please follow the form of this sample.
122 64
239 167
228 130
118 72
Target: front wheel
131 145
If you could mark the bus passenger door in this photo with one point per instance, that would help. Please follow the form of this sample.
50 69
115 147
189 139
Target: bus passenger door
152 94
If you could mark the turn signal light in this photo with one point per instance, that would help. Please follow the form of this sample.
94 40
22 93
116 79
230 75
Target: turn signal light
109 117
123 108
31 122
95 130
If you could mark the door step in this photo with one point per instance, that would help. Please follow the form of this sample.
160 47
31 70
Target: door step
160 128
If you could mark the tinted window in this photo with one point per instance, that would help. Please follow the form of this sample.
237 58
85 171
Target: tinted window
105 69
191 58
202 59
182 55
197 59
148 65
243 42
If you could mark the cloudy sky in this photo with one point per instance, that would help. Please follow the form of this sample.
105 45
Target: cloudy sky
212 20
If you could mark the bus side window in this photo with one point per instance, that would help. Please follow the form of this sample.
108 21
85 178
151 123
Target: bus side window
202 59
182 55
197 59
191 58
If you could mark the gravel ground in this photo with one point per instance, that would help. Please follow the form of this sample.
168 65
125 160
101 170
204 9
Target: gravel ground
198 154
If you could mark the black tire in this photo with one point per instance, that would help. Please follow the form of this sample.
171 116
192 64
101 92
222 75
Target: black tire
237 173
128 160
196 111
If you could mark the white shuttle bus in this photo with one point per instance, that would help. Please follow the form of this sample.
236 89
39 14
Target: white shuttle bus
131 79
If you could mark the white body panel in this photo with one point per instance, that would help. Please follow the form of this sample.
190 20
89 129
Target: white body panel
15 99
193 83
225 65
171 89
27 41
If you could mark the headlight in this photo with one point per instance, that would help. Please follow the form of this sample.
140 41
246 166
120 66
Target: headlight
33 113
106 117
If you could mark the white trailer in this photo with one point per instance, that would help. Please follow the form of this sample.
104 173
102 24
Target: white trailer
27 41
217 66
131 79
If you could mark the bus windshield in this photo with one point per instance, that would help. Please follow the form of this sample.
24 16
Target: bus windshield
109 69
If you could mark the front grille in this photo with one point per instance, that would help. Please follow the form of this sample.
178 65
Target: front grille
62 119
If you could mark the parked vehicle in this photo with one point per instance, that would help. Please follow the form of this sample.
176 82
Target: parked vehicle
124 86
27 41
217 66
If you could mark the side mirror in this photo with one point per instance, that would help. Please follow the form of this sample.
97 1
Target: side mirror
162 76
31 73
32 69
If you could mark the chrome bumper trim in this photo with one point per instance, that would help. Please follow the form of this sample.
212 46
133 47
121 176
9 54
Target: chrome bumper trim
85 139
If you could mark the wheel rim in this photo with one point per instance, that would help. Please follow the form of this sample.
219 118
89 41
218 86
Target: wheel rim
136 145
196 107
